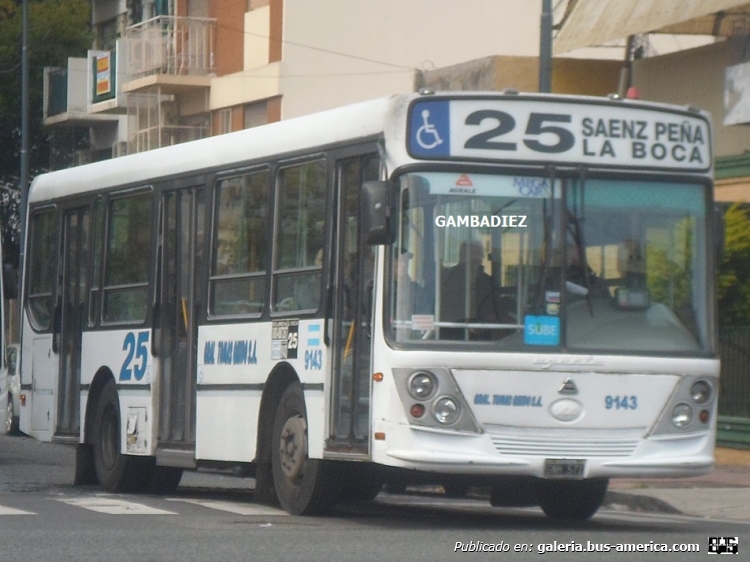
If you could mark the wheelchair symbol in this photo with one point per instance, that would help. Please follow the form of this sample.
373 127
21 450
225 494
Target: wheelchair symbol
427 135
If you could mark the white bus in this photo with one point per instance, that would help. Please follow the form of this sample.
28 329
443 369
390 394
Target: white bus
488 289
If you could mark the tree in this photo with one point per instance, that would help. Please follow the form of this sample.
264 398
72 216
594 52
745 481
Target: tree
58 29
734 273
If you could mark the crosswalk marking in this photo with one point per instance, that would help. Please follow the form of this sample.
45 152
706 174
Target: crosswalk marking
114 506
234 507
11 511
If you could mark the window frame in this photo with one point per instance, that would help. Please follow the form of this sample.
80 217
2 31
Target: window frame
212 277
323 158
105 288
54 294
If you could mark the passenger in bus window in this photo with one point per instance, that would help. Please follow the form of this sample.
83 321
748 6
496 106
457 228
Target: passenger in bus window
580 274
410 294
307 287
466 302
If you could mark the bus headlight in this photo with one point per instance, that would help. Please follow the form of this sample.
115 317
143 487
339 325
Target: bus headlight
682 415
446 410
701 392
422 385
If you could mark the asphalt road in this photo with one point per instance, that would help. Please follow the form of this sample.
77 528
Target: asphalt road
212 517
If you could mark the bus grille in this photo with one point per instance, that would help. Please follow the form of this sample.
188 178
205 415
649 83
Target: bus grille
564 448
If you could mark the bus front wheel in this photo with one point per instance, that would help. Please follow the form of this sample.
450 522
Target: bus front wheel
304 486
571 500
116 472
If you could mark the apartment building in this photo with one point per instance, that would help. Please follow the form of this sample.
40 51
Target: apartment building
162 72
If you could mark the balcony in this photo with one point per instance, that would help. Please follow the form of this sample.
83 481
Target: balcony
155 122
166 135
66 97
174 53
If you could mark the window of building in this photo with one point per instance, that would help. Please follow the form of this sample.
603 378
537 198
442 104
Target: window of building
241 250
256 114
225 121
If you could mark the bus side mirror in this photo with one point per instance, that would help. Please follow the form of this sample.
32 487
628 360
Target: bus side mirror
719 234
377 213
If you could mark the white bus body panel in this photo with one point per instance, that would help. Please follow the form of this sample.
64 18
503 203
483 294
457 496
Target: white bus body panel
230 384
133 368
517 440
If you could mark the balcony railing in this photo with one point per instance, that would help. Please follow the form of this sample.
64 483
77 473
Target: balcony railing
165 135
171 45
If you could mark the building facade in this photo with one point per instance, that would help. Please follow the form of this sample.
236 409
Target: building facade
162 72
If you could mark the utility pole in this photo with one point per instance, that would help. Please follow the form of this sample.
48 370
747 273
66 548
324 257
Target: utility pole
24 181
545 48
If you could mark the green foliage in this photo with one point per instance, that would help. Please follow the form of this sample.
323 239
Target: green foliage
670 268
734 272
58 29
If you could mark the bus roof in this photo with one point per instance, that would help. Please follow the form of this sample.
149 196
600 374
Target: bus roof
361 120
358 121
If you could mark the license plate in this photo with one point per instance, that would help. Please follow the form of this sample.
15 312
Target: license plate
564 468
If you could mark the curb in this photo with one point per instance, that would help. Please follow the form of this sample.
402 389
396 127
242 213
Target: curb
639 503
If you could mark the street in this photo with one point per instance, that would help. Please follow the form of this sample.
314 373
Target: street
212 517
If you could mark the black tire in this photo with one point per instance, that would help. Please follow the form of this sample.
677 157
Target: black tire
164 480
362 483
11 420
514 491
116 472
571 500
395 488
456 488
304 486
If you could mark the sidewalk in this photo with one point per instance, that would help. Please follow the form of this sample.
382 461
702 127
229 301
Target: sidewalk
723 494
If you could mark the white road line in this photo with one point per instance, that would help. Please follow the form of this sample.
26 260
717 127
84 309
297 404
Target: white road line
114 506
11 511
234 507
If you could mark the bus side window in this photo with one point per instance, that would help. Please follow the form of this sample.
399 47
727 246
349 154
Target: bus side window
42 268
238 270
300 236
96 260
128 260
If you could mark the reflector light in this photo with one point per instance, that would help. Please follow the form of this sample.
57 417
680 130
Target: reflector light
704 416
417 411
379 436
377 377
23 399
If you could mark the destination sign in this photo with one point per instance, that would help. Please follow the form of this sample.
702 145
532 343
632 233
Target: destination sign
540 131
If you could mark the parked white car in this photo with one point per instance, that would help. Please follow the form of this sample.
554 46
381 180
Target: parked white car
12 388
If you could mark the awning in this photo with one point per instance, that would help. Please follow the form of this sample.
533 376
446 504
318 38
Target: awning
596 22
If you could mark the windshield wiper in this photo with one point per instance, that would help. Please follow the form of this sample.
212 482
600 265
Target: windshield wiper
575 224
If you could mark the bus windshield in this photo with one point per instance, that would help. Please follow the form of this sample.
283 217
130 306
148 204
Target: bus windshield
534 263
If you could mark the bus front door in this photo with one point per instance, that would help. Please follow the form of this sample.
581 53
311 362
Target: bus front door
74 279
353 302
182 257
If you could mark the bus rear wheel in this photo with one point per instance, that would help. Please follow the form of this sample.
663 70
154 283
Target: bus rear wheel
116 472
571 500
11 420
304 486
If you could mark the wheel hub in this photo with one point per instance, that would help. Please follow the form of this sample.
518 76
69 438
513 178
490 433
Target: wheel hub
293 447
